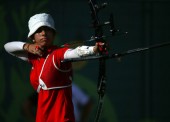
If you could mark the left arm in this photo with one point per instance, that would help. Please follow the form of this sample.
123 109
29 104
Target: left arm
79 52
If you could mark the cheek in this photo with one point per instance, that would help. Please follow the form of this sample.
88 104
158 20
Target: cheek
36 38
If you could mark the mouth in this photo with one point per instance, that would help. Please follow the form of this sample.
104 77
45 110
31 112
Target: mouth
44 39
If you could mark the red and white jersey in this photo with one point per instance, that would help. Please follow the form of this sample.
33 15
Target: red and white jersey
52 79
50 70
55 99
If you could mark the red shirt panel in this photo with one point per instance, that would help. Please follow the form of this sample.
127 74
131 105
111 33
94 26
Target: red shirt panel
54 105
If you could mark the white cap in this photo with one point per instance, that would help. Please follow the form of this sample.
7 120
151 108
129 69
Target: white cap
39 20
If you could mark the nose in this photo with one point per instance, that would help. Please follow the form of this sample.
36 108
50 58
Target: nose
43 32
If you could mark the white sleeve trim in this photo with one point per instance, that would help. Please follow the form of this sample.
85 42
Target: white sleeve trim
16 49
78 52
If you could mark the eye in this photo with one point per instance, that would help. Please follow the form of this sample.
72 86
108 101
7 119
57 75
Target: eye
47 29
43 28
39 30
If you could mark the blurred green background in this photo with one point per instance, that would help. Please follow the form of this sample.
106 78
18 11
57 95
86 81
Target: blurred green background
138 85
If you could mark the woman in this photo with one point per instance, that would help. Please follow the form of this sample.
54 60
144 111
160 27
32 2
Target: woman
51 78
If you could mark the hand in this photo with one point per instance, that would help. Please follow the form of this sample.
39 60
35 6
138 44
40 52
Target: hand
100 47
34 49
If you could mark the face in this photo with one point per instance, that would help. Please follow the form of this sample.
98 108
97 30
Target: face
44 36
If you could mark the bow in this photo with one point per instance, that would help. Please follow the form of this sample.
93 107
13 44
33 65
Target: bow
98 36
103 55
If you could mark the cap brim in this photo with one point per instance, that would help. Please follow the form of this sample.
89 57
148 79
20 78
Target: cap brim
38 25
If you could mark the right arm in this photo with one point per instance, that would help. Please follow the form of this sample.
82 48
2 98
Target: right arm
16 49
21 49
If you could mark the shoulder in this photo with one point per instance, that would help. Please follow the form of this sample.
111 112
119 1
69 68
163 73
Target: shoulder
60 50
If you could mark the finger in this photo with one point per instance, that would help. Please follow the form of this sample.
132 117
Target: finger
36 47
41 48
39 52
100 43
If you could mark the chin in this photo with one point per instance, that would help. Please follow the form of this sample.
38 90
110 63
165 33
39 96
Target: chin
48 44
